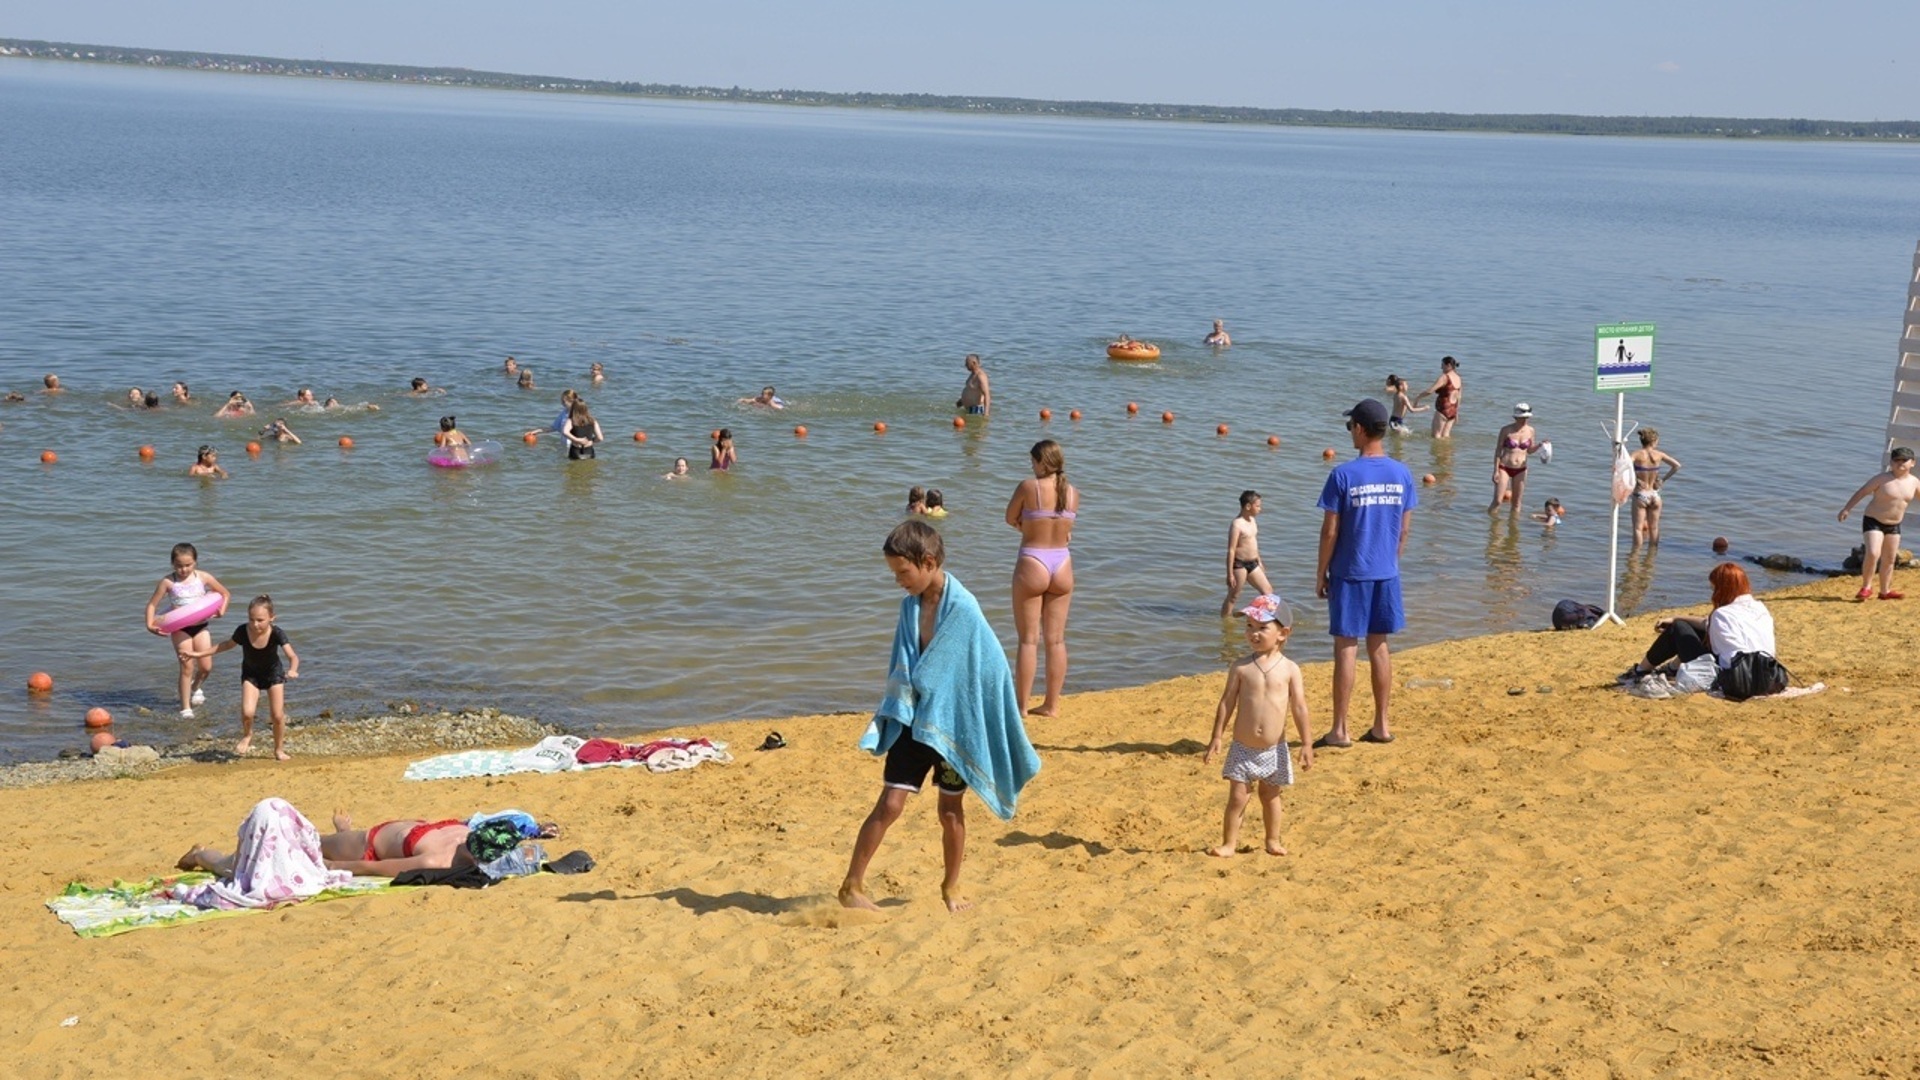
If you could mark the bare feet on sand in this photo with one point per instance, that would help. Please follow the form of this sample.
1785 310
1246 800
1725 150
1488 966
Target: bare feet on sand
1274 848
282 755
955 902
192 860
1224 851
1048 711
243 746
853 896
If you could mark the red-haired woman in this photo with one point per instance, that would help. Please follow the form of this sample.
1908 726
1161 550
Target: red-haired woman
1738 623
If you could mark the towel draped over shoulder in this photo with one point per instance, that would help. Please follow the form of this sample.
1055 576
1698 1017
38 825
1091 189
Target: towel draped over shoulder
957 699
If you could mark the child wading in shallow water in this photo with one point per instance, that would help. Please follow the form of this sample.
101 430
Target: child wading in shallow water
1263 688
260 644
186 584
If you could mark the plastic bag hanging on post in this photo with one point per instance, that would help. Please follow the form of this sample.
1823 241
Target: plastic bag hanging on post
1622 473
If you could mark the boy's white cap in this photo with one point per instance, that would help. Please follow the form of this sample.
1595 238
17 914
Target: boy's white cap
1269 608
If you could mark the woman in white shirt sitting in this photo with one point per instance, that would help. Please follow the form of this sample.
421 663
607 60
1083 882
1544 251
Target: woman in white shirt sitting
1738 623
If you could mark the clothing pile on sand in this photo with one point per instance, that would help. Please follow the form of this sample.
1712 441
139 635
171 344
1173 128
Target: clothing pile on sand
570 753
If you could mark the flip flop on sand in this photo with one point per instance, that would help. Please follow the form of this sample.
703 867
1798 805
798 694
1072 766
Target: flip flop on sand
1371 737
1325 742
774 742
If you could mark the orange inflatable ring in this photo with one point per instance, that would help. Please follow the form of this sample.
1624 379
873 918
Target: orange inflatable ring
1138 350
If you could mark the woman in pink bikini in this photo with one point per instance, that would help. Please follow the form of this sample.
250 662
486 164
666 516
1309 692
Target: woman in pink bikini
1513 448
1043 509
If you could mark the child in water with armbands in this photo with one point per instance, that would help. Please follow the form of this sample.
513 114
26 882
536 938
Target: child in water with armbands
185 585
260 644
936 504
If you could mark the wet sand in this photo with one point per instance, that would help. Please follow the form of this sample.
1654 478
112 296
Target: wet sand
1564 881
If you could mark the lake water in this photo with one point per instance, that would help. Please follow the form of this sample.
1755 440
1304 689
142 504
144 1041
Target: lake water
265 234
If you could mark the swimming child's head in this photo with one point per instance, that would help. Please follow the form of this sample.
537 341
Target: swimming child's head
447 423
419 383
51 382
916 495
511 365
766 393
935 500
185 557
679 465
305 395
1553 506
180 391
135 396
151 400
236 398
1250 500
332 403
914 546
526 378
205 456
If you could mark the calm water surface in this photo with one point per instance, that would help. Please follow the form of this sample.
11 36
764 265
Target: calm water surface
264 235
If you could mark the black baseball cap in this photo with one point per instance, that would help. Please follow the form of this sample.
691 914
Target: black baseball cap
1369 413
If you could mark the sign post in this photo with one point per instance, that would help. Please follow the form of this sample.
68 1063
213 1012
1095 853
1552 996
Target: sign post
1622 361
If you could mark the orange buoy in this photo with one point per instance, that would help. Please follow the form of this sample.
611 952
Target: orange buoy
1132 407
879 427
530 438
48 457
254 448
959 422
1046 414
439 439
1273 440
1220 430
1166 418
99 718
639 436
714 434
101 740
40 683
346 443
800 431
1429 479
1074 415
146 453
1327 454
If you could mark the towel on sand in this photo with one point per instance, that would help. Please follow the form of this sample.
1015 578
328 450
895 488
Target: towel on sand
558 753
957 699
278 862
107 910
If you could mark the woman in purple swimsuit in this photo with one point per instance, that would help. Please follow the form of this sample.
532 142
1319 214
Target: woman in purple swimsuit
1043 509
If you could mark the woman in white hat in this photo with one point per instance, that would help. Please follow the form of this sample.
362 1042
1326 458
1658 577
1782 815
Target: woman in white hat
1513 448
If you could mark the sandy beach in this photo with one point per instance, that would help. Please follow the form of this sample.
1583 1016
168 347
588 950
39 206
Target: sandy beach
1541 876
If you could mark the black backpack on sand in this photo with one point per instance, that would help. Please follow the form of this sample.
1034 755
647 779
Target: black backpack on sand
1752 674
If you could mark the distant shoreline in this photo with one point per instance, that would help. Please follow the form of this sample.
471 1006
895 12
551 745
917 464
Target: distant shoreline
1503 123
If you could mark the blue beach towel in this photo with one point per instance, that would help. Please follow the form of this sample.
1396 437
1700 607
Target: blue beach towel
957 699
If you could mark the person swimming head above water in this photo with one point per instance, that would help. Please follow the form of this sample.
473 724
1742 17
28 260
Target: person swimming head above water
510 367
237 405
181 393
525 381
766 397
680 470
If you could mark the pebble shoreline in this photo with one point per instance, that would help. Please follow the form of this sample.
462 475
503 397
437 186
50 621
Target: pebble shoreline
367 736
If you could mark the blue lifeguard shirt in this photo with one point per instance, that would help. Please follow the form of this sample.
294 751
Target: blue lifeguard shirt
1370 494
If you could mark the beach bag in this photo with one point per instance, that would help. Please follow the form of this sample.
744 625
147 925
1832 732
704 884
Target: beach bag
1753 674
1573 615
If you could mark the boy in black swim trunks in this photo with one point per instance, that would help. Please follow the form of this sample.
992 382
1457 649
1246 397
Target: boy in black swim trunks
1880 522
1243 553
962 696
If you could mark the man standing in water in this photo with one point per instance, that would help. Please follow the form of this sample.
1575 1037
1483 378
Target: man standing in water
1369 505
975 397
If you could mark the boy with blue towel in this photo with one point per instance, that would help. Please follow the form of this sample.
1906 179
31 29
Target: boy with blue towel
949 709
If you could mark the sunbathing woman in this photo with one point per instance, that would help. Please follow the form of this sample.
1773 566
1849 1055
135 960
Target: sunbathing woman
388 849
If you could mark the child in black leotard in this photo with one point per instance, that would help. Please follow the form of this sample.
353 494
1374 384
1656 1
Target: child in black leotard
260 644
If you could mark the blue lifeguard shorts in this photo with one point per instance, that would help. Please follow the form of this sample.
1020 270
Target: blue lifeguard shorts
1358 608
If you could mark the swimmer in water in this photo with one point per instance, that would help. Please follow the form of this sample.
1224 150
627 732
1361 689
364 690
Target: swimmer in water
936 503
455 440
302 400
278 431
723 455
419 388
207 464
916 501
237 405
525 382
136 398
1402 404
1550 515
766 398
680 470
181 394
1218 339
510 368
52 384
976 397
597 373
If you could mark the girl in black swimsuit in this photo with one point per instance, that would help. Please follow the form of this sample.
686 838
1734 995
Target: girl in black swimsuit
260 644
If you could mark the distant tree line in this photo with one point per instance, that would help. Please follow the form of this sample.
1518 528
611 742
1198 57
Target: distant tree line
1518 123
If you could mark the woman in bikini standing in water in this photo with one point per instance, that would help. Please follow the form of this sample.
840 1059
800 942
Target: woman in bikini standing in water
1512 449
1043 509
1446 397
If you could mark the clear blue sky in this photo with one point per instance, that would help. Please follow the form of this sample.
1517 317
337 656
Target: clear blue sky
1846 59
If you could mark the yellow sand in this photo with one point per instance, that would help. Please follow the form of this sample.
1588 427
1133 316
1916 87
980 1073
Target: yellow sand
1571 883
